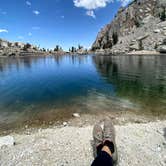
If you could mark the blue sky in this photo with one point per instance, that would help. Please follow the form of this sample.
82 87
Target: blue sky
51 22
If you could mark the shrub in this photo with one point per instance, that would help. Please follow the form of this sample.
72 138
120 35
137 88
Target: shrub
27 46
137 23
163 15
56 48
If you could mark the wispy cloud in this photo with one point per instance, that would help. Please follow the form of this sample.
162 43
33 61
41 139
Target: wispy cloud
36 12
4 31
4 13
28 3
90 13
35 28
125 2
20 37
29 34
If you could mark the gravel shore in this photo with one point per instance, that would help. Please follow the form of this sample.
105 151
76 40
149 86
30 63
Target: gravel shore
138 145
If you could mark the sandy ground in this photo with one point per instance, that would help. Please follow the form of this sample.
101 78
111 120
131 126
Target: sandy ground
138 145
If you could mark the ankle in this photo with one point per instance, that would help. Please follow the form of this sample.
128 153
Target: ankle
107 150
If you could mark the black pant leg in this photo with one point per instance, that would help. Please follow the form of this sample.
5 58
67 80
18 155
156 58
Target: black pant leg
103 159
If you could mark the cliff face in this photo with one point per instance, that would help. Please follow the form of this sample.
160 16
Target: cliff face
139 14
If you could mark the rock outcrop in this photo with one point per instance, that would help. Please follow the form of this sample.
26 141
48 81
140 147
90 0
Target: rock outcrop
17 48
139 26
162 48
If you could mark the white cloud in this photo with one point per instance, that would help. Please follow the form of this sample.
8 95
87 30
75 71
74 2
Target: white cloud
94 4
28 3
91 4
90 13
36 12
4 31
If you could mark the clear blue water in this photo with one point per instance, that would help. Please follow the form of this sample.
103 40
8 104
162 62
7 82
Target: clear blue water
43 89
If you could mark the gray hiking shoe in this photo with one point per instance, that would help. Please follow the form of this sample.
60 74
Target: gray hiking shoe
109 135
98 138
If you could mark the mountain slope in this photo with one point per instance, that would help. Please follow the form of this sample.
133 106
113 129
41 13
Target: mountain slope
140 26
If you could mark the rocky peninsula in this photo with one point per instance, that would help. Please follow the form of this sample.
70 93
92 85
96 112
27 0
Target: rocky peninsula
141 26
19 49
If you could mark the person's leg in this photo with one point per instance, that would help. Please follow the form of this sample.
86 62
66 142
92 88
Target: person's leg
106 148
109 138
104 158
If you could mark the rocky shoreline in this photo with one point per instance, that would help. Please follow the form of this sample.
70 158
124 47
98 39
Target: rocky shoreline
62 145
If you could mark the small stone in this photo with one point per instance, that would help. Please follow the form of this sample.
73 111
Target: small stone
76 115
159 148
6 141
65 124
157 31
26 126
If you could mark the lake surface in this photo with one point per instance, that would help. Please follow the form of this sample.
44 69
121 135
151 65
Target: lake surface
43 89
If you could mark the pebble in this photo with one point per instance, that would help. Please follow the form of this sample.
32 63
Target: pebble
76 115
6 141
26 126
65 124
159 149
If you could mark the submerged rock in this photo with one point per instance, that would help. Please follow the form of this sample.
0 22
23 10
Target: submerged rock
76 115
6 141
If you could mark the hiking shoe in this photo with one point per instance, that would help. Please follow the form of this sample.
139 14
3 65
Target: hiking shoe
98 138
109 138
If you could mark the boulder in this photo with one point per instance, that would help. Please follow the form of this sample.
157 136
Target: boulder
164 42
157 31
134 47
161 49
164 28
6 141
100 51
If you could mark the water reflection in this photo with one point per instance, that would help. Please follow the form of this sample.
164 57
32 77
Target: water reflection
142 79
39 89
